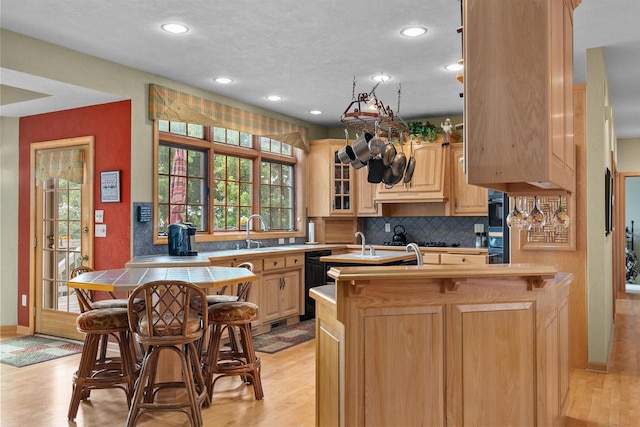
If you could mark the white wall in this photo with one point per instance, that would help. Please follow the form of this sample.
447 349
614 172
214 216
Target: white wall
8 217
628 155
600 142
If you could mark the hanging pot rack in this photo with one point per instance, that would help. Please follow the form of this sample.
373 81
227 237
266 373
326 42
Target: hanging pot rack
355 117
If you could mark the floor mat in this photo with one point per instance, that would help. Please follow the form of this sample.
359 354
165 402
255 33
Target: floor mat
28 350
285 336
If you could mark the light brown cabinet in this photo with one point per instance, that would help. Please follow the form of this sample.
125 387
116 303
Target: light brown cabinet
331 183
281 283
428 183
463 350
518 95
466 199
366 192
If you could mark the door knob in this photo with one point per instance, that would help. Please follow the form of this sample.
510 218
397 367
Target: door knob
85 230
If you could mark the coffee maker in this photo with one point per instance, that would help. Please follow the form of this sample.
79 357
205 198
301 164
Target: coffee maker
182 239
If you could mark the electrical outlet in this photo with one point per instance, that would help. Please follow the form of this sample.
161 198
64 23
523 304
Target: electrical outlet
281 241
101 230
24 300
387 227
478 228
292 239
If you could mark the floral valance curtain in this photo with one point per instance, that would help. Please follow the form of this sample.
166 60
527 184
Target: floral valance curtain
65 164
169 104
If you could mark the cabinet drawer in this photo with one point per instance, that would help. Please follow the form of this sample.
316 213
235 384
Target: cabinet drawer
274 263
257 264
430 258
462 259
293 261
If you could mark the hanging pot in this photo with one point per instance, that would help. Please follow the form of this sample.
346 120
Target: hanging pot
398 164
389 179
389 153
376 170
411 165
361 147
346 153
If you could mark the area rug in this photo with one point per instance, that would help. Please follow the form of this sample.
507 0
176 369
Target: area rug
28 350
283 337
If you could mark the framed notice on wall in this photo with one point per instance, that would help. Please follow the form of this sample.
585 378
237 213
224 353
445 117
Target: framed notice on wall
110 186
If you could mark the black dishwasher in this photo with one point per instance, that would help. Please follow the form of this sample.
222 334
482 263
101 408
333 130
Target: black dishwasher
314 275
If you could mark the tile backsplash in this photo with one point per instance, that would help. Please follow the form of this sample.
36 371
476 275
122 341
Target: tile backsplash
420 229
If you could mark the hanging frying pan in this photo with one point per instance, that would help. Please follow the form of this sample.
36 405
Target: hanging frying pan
411 164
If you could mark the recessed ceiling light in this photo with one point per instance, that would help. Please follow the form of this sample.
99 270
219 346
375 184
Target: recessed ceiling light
274 98
315 112
380 78
414 31
454 67
175 28
222 80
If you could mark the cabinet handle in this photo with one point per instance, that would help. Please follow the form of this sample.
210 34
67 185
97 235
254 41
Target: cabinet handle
275 263
464 259
295 261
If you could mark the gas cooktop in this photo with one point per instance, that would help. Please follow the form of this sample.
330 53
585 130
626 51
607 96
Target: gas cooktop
440 245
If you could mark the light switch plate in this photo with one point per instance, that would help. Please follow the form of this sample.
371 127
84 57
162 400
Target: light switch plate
99 215
292 239
281 241
387 227
101 230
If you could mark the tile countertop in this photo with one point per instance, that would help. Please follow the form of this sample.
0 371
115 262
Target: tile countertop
206 258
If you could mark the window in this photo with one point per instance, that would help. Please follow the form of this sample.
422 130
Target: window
181 186
216 178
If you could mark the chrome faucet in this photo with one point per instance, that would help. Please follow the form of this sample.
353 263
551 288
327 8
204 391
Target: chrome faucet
416 249
362 241
264 227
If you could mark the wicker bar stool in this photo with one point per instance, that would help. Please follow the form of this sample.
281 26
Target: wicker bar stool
96 372
242 293
87 302
242 361
170 321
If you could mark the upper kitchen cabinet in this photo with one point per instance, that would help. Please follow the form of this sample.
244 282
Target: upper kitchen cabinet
365 195
466 199
331 183
518 95
428 183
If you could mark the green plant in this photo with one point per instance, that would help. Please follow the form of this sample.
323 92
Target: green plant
426 130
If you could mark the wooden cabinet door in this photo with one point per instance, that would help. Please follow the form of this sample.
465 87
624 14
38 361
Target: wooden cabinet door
365 195
428 175
331 183
508 365
290 294
466 199
270 308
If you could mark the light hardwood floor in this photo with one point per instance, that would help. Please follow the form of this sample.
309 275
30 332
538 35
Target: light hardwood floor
38 395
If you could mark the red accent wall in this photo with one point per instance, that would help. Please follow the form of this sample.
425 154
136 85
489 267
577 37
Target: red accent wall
110 124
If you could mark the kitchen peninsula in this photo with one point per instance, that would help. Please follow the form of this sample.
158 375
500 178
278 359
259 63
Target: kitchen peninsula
434 345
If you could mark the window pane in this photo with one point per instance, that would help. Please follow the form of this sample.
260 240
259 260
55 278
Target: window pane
219 166
163 189
195 165
163 219
265 144
233 137
219 218
63 204
163 125
233 173
274 195
245 170
219 134
275 146
286 149
286 197
265 173
195 131
233 219
195 215
233 198
195 193
276 174
245 139
276 199
74 203
245 194
264 195
179 128
287 178
219 192
163 159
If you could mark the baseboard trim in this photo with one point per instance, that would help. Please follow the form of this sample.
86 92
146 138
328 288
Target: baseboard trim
601 368
8 330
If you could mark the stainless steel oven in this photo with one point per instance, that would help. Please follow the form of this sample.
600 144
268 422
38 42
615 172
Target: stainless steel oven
498 232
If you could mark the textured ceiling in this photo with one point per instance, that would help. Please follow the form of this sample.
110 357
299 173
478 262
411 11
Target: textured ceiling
308 52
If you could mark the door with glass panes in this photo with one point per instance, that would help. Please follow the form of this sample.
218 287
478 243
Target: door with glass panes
63 229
